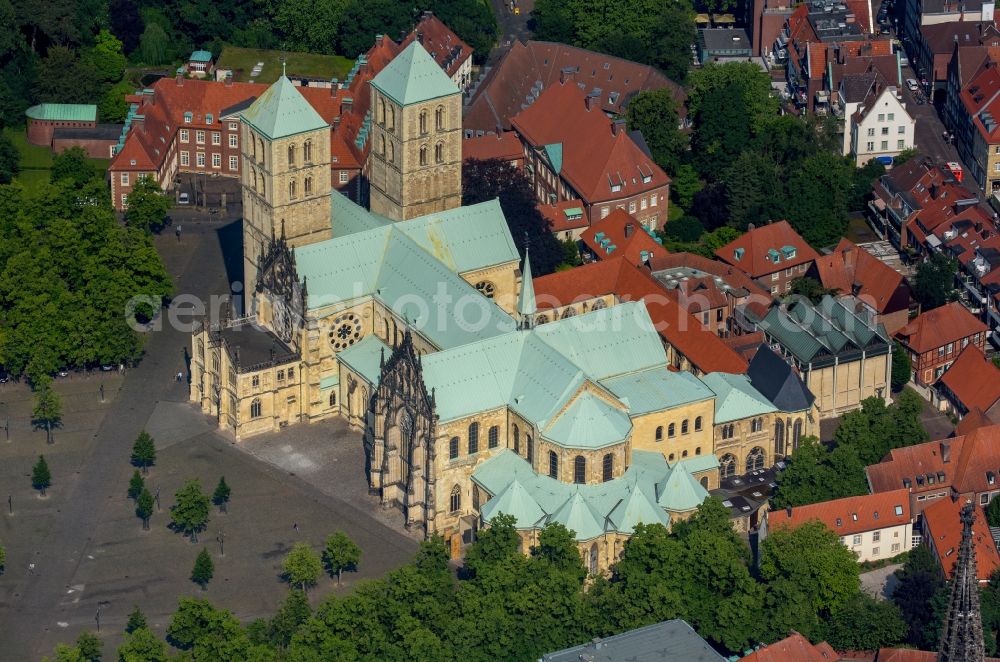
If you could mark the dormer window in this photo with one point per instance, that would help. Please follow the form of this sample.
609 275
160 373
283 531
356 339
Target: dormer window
899 511
990 477
840 522
615 188
188 117
209 118
875 515
854 516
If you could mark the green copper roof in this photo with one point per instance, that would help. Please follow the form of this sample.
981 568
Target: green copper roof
517 501
679 491
413 76
735 397
365 357
577 515
554 153
63 112
589 422
657 389
201 56
526 306
700 463
329 382
615 505
281 111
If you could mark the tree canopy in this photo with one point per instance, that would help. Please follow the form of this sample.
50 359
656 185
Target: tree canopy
934 284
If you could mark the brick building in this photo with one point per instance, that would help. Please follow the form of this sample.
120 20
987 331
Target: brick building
574 151
452 54
774 255
971 384
60 126
935 338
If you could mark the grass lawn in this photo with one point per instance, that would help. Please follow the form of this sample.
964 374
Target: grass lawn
36 161
243 60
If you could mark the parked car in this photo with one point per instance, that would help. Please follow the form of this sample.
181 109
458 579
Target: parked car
912 85
183 199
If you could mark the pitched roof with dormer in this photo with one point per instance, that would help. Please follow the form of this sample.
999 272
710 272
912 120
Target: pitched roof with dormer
973 380
850 515
937 327
766 249
443 45
853 270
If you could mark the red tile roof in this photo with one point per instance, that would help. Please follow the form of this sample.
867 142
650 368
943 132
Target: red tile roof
943 528
938 327
557 218
628 242
794 648
447 49
746 345
973 380
974 420
850 515
982 95
593 157
502 93
628 282
910 655
750 251
506 146
729 274
851 269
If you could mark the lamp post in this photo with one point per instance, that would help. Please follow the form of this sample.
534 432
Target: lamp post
222 542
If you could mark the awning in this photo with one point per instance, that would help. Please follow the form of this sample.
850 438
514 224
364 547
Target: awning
884 160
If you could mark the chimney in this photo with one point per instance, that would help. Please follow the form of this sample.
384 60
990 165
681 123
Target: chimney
629 229
180 76
345 105
566 74
334 86
229 79
617 126
788 510
499 130
378 39
589 101
945 452
420 36
751 227
139 123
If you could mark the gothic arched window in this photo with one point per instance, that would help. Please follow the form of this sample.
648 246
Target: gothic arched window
307 151
779 436
796 432
608 468
755 460
291 155
579 469
684 426
381 112
439 153
455 501
659 433
439 118
569 312
291 190
486 288
553 465
423 155
697 424
423 121
672 430
381 145
727 465
517 439
493 436
307 185
255 408
453 448
530 450
473 438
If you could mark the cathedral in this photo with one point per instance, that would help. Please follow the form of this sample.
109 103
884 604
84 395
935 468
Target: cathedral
416 323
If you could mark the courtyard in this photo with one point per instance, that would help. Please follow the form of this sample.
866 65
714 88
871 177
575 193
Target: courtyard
81 551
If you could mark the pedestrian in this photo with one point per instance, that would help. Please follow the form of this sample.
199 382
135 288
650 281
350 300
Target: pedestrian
295 525
180 377
177 231
31 568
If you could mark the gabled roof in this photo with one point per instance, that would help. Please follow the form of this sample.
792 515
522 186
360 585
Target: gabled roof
628 282
736 398
943 530
281 112
853 270
506 146
621 234
850 515
444 46
777 381
593 157
413 76
794 648
763 250
973 380
938 327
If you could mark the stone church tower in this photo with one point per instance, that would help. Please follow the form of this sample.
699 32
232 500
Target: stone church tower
414 166
962 634
285 175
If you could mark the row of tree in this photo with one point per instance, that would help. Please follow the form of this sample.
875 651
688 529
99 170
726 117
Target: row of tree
508 605
818 472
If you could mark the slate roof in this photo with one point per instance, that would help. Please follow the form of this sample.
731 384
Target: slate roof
649 489
850 515
938 327
736 398
777 381
669 641
281 112
413 76
754 251
98 132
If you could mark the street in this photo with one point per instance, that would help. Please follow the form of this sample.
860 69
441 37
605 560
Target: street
929 129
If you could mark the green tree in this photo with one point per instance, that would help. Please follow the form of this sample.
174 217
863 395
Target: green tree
864 177
310 25
812 557
993 512
816 201
752 84
905 156
144 507
203 569
571 254
189 514
901 367
754 190
209 633
810 288
672 35
47 412
807 478
106 57
112 106
686 228
302 566
685 185
864 623
294 611
934 284
654 113
147 206
135 486
72 166
41 478
919 589
220 497
723 129
9 159
141 645
143 452
154 45
136 620
90 646
63 77
340 553
494 178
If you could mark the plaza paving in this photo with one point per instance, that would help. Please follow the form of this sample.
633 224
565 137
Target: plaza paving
84 541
